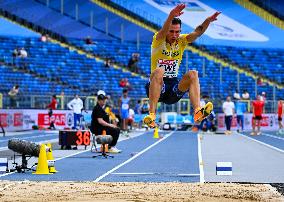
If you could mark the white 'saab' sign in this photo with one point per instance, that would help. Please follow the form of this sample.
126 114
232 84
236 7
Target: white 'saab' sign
224 28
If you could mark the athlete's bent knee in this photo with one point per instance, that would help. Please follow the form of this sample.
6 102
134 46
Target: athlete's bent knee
192 74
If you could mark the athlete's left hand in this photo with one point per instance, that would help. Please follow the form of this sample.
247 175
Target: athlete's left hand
214 16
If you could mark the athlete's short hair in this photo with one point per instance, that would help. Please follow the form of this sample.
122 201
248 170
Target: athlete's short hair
176 21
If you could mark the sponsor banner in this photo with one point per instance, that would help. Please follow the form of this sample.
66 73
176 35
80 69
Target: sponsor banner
57 119
17 120
269 122
61 118
29 119
225 28
11 120
4 119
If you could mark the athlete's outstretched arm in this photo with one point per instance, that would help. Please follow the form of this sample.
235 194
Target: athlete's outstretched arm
177 11
199 30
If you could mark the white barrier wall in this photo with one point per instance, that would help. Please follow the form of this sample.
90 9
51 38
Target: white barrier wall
17 120
269 122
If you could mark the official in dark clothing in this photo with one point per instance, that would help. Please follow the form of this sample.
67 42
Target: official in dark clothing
100 122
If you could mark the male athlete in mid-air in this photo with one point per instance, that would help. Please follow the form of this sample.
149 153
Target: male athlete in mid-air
166 54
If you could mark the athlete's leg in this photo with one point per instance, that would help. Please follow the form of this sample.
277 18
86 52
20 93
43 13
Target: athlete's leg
242 122
258 127
253 126
280 122
190 81
156 83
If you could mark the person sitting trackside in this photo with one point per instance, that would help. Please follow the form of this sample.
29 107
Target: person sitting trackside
100 122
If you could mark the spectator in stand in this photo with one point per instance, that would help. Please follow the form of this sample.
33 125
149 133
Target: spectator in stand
44 38
237 95
245 95
23 53
280 113
76 105
23 56
128 85
108 62
15 54
257 110
124 83
133 63
89 41
13 93
52 106
259 82
229 110
89 44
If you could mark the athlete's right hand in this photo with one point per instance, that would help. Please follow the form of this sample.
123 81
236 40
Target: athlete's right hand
177 11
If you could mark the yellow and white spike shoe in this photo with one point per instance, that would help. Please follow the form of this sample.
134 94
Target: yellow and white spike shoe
202 112
149 120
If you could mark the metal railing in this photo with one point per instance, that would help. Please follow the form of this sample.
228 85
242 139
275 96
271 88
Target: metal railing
1 101
182 107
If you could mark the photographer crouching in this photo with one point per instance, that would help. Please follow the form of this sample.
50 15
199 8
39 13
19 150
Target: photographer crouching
100 122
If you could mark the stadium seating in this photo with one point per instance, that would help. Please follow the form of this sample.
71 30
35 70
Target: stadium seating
260 61
273 6
53 62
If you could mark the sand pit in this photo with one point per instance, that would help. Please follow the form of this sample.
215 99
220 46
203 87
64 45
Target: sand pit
91 191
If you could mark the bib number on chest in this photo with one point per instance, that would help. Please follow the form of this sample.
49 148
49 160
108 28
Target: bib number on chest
170 67
125 106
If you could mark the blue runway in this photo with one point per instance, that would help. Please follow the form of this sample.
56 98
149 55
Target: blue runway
269 138
38 137
144 159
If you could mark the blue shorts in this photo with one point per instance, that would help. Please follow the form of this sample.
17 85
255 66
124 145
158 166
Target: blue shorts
170 93
124 114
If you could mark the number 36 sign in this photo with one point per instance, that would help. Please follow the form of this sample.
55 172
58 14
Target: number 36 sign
73 137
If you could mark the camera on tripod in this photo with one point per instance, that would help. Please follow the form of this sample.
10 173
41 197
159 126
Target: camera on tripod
26 150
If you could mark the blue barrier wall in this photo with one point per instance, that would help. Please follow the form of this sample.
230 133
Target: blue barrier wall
49 19
11 29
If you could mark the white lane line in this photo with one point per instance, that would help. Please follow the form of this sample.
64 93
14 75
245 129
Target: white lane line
200 161
267 145
73 153
132 158
5 174
172 174
273 136
31 137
